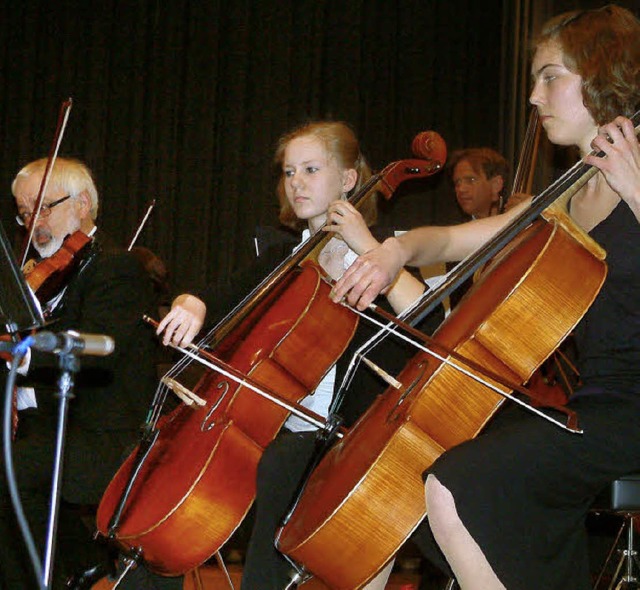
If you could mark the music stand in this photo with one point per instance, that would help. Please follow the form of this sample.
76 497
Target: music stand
19 310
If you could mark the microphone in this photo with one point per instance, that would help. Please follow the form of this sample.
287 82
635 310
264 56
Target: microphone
72 342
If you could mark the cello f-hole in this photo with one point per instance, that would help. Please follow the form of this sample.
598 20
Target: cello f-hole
204 427
423 368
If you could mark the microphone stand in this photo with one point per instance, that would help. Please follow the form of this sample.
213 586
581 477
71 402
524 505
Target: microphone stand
69 366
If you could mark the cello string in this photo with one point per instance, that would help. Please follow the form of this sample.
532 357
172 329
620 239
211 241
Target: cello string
162 391
228 371
367 346
505 382
177 369
523 178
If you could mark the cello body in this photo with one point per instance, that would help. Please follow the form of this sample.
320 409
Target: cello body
198 480
367 496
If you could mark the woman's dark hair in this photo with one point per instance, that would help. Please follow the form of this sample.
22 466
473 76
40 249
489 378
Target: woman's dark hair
602 46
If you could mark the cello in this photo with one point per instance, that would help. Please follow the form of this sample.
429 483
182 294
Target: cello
366 496
186 488
557 378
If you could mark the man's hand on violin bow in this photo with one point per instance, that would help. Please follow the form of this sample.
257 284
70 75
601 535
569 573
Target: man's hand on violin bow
183 322
371 274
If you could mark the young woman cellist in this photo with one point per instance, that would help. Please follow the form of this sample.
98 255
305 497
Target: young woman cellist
320 165
507 508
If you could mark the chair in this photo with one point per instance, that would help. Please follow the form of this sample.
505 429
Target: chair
622 498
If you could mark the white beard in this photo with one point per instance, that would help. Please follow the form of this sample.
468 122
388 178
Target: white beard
55 242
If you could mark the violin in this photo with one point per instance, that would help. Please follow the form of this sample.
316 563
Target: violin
46 279
37 276
49 276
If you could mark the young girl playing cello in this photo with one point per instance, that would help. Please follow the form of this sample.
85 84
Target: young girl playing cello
321 164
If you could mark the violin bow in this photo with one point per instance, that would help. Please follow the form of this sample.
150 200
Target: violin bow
141 225
63 118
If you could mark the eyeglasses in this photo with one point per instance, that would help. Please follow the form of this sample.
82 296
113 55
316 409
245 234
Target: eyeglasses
465 180
45 210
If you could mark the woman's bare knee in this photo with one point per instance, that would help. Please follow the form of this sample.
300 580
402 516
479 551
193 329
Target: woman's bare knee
468 562
441 507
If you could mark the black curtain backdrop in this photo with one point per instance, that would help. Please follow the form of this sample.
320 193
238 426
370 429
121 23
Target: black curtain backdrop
183 101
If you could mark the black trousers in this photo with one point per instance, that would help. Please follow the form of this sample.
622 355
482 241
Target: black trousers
279 472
